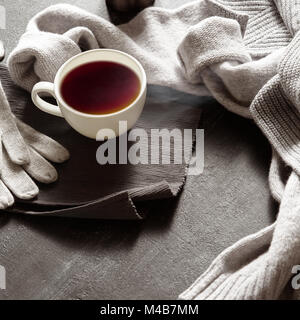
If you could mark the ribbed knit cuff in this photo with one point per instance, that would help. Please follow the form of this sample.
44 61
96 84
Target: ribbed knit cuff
289 71
290 13
266 31
258 266
279 120
226 278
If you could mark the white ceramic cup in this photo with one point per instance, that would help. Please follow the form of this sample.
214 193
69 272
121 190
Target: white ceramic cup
89 124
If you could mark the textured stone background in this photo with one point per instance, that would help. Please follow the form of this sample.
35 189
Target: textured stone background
52 258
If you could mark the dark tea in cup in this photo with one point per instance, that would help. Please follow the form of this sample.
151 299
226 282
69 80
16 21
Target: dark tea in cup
100 87
95 90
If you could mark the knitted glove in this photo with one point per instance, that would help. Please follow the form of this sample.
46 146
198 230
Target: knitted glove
23 155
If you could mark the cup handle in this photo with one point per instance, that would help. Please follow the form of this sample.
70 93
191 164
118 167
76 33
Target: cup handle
47 87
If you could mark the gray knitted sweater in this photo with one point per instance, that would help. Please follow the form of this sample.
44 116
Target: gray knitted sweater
247 55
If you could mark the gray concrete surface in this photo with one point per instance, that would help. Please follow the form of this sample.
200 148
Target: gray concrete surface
52 258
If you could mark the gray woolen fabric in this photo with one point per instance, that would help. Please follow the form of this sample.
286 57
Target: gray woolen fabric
152 37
